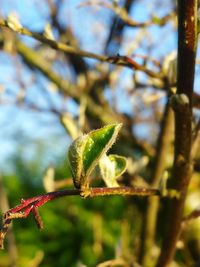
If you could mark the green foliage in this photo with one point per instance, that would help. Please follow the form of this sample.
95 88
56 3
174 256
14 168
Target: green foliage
76 230
86 151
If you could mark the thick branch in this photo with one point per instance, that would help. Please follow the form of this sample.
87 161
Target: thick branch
187 39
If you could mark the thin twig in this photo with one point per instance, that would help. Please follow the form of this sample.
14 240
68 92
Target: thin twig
149 224
193 215
32 204
117 60
123 15
4 205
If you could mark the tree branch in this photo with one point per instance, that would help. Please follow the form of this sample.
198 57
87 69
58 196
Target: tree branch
128 21
32 204
193 215
12 248
149 224
116 29
37 61
182 167
117 60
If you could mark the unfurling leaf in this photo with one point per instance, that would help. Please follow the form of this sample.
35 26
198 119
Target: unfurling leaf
111 168
48 33
13 22
85 152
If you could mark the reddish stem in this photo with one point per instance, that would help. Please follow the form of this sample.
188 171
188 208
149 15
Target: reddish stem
32 204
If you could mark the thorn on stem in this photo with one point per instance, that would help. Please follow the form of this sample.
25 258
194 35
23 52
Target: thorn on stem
37 218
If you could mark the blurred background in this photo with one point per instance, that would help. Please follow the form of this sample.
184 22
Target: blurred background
48 98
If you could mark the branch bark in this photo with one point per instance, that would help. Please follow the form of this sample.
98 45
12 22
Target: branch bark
182 167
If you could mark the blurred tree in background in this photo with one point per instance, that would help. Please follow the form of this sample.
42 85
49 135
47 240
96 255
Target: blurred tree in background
70 66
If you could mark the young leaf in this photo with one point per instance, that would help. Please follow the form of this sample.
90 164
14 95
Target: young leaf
75 155
86 151
111 168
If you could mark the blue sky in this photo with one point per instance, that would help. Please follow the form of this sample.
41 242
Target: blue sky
35 126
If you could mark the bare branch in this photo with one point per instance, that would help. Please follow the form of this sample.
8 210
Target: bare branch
187 41
123 14
122 61
149 224
32 204
193 215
